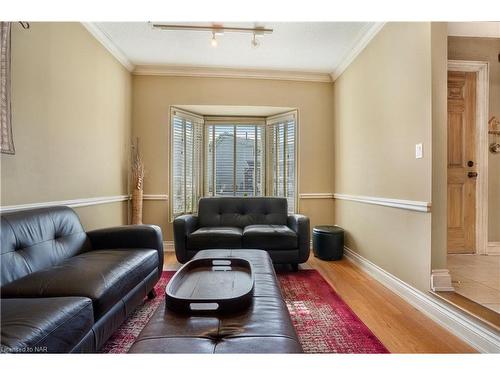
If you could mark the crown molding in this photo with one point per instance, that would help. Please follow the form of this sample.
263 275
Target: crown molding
212 72
218 72
104 39
358 47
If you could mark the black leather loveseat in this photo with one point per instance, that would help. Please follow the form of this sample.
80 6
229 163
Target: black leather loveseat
67 290
244 223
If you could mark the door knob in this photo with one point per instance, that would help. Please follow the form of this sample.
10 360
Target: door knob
470 163
472 174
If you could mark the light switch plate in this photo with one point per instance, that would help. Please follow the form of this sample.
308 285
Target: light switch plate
419 151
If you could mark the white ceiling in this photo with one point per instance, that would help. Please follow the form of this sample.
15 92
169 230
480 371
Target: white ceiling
293 46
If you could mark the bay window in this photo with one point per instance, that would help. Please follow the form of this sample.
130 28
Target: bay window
231 156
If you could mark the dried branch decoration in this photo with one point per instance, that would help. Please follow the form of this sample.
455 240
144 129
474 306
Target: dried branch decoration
137 166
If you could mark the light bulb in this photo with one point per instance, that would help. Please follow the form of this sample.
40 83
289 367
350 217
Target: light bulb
255 42
213 42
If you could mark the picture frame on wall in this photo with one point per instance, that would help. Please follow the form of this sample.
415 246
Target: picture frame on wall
6 137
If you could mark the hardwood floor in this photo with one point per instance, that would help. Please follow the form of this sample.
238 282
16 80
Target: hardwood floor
398 325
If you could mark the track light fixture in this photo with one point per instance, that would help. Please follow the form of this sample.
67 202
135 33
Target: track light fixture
256 32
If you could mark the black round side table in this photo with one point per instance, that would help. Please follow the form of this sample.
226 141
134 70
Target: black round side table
328 242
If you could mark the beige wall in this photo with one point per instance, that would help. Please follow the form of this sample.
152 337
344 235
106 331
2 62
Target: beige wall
71 111
153 96
383 107
485 49
439 66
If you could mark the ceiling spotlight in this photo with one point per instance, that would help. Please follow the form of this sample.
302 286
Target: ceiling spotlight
255 42
213 42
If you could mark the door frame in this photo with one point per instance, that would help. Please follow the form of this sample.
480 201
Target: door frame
482 104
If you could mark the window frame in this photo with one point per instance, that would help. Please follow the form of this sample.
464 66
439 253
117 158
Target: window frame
235 121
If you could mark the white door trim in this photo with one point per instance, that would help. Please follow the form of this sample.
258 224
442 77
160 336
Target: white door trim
482 95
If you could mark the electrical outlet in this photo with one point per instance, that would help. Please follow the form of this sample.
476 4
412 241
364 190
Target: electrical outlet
419 151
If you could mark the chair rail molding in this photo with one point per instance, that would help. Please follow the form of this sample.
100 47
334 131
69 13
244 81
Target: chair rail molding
482 338
388 202
316 196
82 202
155 197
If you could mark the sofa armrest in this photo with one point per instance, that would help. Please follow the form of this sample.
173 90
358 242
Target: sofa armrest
300 225
183 226
129 236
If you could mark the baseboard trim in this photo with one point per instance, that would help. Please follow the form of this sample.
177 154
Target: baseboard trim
483 339
493 248
388 202
82 202
168 246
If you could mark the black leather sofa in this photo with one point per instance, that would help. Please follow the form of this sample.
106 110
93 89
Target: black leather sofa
244 223
67 290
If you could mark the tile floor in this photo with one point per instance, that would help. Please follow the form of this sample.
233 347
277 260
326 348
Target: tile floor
477 277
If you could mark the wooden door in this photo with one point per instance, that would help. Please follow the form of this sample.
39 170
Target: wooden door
462 169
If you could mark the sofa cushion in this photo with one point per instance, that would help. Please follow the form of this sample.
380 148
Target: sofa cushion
269 237
104 276
242 211
57 326
36 239
215 237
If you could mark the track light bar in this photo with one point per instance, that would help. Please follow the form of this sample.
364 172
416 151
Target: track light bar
216 29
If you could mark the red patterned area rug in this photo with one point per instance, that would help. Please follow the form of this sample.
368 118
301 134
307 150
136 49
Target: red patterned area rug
323 321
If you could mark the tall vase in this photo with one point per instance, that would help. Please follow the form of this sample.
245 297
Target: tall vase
137 206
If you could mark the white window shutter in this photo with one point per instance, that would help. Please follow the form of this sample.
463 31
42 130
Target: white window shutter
186 163
282 148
